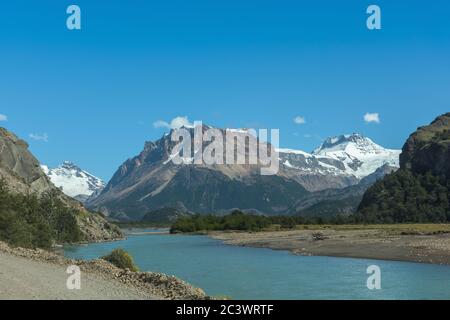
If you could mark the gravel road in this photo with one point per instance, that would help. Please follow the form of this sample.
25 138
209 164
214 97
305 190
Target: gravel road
23 279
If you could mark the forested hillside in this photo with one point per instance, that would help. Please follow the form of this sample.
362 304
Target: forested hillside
419 191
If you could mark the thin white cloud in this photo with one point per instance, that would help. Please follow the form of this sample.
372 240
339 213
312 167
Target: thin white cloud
175 123
312 136
299 120
3 117
39 137
161 124
372 117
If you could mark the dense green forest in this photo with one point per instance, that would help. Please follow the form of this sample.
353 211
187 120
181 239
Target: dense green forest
407 197
29 221
238 220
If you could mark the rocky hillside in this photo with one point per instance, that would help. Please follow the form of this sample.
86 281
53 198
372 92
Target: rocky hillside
150 181
420 190
22 176
428 149
19 167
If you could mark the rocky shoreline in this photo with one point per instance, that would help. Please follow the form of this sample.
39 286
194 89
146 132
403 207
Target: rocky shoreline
152 285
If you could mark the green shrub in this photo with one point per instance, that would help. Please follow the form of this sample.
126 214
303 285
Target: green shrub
121 259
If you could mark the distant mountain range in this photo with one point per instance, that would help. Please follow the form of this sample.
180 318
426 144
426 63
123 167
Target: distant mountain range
74 181
149 181
345 174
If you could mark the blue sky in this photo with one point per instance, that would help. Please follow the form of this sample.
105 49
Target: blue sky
92 96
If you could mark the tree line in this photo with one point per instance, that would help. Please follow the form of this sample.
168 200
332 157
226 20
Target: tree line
31 221
239 220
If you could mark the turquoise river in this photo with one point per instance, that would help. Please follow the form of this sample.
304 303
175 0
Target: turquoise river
254 273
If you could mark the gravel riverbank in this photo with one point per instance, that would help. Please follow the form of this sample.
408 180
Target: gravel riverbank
371 243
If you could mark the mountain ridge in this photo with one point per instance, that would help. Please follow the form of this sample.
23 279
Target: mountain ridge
150 181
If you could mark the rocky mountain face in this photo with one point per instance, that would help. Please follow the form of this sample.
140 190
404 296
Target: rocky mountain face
23 174
428 149
150 181
73 181
420 190
19 167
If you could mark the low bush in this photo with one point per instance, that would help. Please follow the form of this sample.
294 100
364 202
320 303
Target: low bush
121 259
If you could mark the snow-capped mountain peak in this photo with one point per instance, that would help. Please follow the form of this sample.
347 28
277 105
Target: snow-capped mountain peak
360 155
351 155
351 143
74 181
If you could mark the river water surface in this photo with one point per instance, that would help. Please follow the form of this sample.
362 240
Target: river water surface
255 273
